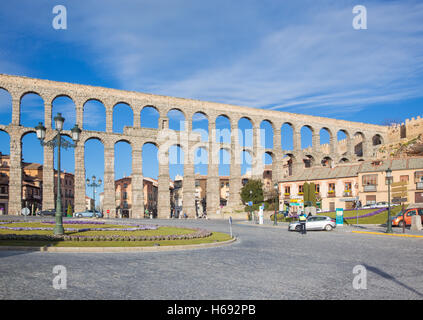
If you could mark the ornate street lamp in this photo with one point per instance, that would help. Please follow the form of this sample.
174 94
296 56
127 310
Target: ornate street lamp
276 187
94 185
58 142
389 181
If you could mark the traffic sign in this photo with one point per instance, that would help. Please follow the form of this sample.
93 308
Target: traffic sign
399 200
399 189
399 184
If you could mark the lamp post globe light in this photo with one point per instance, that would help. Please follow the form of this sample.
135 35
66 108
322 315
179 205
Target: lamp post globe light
94 185
58 142
389 181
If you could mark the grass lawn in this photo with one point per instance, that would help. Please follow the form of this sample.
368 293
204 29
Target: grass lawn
215 237
160 231
380 218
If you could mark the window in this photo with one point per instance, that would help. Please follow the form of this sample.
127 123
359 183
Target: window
411 213
370 179
347 186
332 187
317 188
301 188
404 178
371 199
287 190
418 176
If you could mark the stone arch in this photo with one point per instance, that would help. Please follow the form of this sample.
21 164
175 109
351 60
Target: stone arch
201 160
65 105
326 140
123 156
343 141
224 165
359 143
287 136
6 108
123 115
309 161
377 139
245 128
92 110
200 124
223 129
327 162
267 131
36 107
177 119
149 117
94 164
344 160
307 132
92 136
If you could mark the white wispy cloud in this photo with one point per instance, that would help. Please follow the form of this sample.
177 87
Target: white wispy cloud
301 56
319 61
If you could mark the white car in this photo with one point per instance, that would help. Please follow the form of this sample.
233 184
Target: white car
314 223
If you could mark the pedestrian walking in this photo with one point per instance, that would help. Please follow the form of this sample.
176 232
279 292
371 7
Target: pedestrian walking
303 220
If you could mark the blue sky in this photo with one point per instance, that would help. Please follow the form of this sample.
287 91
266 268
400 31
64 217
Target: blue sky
296 56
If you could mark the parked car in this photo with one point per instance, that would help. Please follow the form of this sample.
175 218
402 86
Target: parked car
381 204
314 223
412 210
51 212
88 214
369 206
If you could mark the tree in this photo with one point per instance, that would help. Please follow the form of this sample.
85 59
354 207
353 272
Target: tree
256 196
306 193
312 196
69 211
309 194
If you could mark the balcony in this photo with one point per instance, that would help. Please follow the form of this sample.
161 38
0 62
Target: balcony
419 186
347 193
370 188
331 194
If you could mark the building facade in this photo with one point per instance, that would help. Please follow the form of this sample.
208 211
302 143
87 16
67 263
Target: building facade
337 187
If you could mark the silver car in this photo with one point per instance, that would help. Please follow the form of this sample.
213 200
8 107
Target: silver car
314 223
88 214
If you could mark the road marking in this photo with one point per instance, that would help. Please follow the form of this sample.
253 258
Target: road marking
389 234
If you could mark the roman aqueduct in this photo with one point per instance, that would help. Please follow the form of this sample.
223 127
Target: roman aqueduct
369 136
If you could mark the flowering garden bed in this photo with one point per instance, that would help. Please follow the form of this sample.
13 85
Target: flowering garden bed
95 233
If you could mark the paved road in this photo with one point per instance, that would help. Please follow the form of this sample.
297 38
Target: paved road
265 263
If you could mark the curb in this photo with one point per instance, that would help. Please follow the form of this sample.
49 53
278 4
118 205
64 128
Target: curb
119 249
389 234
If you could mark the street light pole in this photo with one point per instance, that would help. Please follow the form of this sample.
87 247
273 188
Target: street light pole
388 180
276 198
58 142
94 185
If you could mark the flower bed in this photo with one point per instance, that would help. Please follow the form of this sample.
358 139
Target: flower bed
368 214
135 227
200 233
